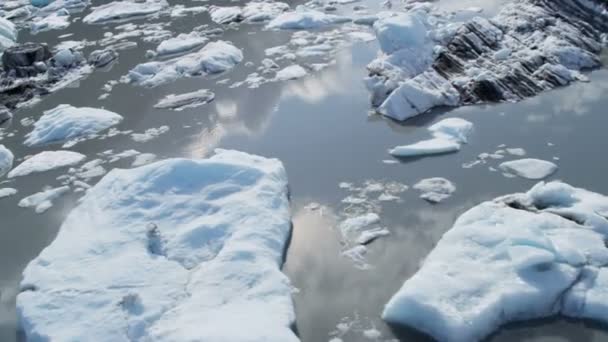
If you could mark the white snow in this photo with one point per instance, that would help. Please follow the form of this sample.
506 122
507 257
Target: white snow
43 201
291 72
303 19
358 224
213 58
435 189
178 250
66 122
149 134
8 34
519 257
529 168
122 10
449 134
6 192
181 44
45 161
225 15
187 100
6 160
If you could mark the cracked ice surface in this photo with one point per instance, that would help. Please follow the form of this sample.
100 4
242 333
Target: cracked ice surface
214 229
518 257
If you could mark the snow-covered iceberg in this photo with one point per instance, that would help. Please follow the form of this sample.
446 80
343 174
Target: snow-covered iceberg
448 135
8 34
518 257
123 10
213 58
66 122
178 250
527 48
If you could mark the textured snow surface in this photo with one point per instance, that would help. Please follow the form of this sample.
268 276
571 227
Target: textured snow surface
177 250
45 161
213 58
6 160
122 10
519 257
66 122
529 168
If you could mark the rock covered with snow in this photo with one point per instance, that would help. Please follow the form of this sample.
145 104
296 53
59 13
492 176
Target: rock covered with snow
123 10
448 135
66 122
46 161
215 57
519 257
527 48
530 168
6 160
173 244
304 18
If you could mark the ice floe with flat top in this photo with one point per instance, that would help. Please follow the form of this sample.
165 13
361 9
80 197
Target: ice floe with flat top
291 72
124 10
43 201
435 189
448 135
530 168
181 44
215 229
252 12
213 58
186 100
519 257
6 160
66 122
303 19
46 161
6 192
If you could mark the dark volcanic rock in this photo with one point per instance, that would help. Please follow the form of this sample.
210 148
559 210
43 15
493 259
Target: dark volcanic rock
21 59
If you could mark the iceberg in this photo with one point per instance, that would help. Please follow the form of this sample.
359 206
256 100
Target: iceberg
46 161
124 10
66 122
181 44
291 72
529 168
519 257
304 19
181 250
213 58
6 160
435 189
448 135
6 192
55 21
8 34
187 100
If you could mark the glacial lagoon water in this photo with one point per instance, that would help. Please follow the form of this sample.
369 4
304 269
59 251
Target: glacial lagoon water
322 129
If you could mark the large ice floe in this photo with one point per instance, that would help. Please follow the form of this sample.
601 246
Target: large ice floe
448 135
528 47
46 161
66 122
518 257
213 58
177 250
123 10
8 34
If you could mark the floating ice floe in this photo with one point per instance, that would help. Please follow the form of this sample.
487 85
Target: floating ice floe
45 161
225 14
252 12
181 10
527 48
519 257
187 100
529 168
149 134
123 10
303 18
6 192
68 123
291 72
43 201
8 34
213 58
6 160
215 229
449 134
54 21
435 189
181 44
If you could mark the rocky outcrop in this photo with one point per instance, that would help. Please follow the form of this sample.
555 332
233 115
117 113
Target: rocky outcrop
529 47
25 60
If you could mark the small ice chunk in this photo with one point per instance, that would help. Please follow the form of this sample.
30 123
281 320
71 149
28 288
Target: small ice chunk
122 10
181 44
520 152
149 134
43 201
435 189
426 147
55 21
304 19
529 168
45 161
357 224
143 159
370 235
6 160
225 14
290 73
66 122
456 129
186 100
6 192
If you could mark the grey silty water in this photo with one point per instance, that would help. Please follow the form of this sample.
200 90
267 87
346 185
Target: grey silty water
321 128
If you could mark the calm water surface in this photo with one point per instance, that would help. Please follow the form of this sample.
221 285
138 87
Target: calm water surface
321 128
